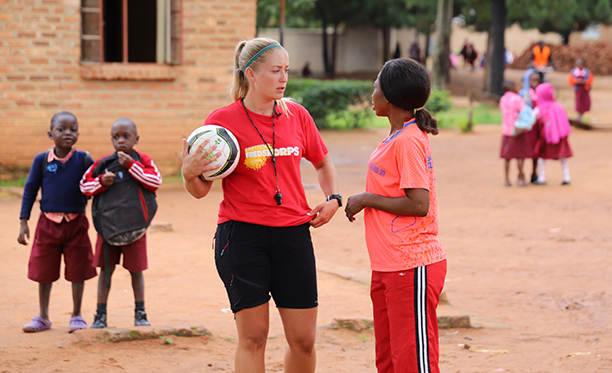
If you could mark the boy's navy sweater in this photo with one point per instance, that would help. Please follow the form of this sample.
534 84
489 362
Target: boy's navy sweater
60 185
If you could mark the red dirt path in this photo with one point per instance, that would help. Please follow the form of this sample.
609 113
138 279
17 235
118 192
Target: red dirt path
531 265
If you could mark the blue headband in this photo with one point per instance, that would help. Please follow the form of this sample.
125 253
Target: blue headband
259 54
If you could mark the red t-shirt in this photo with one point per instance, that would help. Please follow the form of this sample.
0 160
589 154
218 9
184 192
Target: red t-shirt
248 192
398 242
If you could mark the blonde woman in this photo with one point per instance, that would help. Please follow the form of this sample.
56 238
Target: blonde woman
263 247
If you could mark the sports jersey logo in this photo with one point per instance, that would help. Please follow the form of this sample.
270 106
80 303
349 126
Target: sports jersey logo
376 169
255 157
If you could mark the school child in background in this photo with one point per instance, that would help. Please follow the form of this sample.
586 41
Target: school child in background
553 142
123 185
531 80
581 78
62 225
515 143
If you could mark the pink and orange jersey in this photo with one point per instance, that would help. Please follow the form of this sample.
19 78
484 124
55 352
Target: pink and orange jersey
402 161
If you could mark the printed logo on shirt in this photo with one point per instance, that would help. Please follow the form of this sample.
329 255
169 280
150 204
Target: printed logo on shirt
255 157
429 163
52 168
376 169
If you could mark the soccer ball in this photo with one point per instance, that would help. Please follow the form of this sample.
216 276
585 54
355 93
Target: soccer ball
227 145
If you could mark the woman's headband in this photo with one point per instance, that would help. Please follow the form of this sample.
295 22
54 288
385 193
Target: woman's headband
259 54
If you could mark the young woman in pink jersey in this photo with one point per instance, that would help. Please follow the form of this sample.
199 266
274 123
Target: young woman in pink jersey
401 224
263 247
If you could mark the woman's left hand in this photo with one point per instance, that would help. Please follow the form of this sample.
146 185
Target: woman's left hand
354 205
323 213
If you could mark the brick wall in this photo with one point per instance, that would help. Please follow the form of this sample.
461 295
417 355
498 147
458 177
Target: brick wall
41 74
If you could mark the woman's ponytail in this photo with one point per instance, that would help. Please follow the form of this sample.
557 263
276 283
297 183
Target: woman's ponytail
240 85
426 122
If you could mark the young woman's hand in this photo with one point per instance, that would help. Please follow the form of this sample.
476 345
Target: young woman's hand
323 212
194 165
354 205
198 161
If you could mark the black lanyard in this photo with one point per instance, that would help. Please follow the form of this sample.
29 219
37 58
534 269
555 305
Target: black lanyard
278 197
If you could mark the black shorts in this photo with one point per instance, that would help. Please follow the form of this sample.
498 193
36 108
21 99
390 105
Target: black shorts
255 261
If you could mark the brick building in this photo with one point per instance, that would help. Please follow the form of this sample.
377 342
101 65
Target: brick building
166 64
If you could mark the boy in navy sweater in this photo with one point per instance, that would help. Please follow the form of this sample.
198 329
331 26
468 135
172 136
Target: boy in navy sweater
62 225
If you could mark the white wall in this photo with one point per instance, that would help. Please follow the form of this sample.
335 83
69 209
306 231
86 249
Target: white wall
360 50
357 49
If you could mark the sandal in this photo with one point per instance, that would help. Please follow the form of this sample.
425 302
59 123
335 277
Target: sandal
76 323
38 324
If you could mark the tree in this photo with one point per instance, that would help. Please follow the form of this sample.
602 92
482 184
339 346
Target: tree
298 13
384 15
422 17
564 17
334 13
442 52
495 58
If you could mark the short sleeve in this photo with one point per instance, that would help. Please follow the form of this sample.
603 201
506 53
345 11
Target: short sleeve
412 163
314 147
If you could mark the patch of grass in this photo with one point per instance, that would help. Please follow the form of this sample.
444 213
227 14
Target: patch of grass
458 117
454 118
10 183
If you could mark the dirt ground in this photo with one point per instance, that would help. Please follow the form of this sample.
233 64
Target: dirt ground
531 266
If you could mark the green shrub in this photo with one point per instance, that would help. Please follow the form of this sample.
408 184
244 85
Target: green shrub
333 103
349 119
439 101
346 104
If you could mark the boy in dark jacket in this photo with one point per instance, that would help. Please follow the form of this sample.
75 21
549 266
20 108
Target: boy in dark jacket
118 179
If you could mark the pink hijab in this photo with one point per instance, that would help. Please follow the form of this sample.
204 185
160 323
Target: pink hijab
556 123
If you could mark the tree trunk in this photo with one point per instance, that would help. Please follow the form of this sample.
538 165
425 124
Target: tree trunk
566 36
386 36
487 66
441 63
332 68
282 22
497 47
425 54
325 54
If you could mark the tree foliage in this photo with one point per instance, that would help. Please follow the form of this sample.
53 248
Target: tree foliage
421 15
561 16
298 14
564 17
